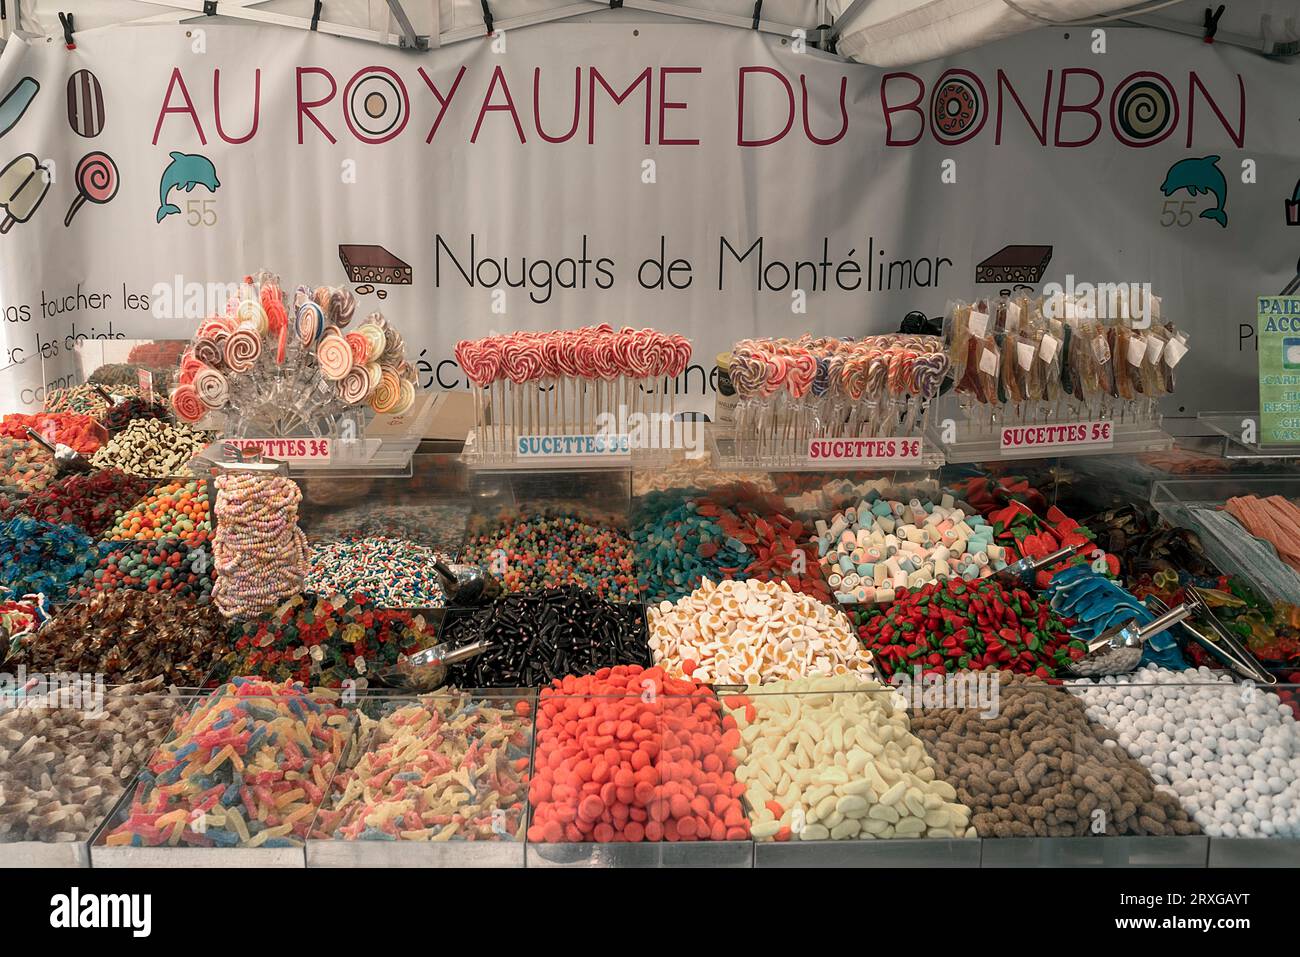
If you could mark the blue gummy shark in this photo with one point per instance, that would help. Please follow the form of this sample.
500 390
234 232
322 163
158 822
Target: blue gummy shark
1200 176
185 171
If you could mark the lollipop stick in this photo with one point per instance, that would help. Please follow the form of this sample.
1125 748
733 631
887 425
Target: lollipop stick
72 210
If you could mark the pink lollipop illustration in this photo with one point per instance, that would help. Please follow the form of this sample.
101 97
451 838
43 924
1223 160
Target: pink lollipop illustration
96 182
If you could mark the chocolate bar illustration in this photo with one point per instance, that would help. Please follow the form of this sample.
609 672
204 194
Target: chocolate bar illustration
374 264
1015 264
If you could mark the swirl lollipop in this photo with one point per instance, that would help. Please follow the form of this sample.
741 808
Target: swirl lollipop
334 355
212 387
189 407
388 395
96 182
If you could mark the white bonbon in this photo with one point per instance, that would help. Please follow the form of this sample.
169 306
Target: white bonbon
1234 756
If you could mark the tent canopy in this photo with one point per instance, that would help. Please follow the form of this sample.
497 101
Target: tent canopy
879 32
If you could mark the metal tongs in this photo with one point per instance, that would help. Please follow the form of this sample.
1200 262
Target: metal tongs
66 459
1020 570
1225 647
1118 649
426 670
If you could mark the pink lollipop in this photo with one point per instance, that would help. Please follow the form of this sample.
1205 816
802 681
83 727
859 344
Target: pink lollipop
803 368
606 356
585 356
189 407
334 356
96 182
553 354
681 347
567 357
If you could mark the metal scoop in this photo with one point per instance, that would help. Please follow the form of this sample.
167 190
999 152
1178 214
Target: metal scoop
1225 647
1118 649
1027 566
66 459
426 670
466 584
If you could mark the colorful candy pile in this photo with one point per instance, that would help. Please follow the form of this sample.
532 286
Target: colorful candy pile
90 501
1095 603
129 635
1040 768
545 552
958 626
630 754
568 382
791 391
539 636
25 466
172 510
867 775
1230 753
118 417
81 433
391 572
701 538
17 617
260 362
84 399
116 376
151 447
749 632
42 558
870 551
163 565
448 768
247 769
66 758
327 641
259 551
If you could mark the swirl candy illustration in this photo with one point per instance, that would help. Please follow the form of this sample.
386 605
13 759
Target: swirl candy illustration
96 182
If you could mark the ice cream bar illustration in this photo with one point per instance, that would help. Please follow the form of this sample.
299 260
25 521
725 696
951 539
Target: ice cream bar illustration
23 185
14 103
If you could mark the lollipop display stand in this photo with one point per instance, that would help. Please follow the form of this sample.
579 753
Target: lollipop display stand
287 380
1035 377
594 397
1042 432
826 403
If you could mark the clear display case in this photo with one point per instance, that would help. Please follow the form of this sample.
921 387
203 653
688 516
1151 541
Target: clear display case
993 771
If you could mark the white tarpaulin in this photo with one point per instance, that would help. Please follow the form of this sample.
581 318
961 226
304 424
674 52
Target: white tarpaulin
698 179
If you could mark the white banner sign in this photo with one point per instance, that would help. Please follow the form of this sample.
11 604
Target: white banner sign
719 183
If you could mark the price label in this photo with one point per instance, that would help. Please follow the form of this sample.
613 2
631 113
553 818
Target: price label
979 323
287 449
1017 439
1048 347
989 361
145 379
877 453
1025 354
1137 350
1174 352
605 446
1155 349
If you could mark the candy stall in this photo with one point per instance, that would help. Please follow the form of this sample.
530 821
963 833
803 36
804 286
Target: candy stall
663 439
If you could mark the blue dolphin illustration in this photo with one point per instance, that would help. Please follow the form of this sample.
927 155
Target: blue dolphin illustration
185 171
1200 176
